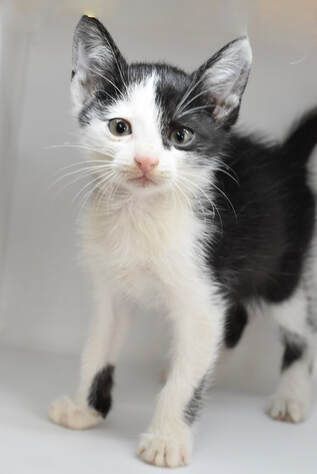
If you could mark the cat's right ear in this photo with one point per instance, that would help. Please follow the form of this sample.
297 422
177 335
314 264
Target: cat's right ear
97 62
223 78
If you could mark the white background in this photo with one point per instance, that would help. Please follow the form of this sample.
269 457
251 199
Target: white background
45 301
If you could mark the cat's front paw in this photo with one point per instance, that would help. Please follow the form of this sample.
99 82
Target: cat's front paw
67 413
172 450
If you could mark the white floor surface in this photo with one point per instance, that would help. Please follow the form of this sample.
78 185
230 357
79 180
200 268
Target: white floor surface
233 436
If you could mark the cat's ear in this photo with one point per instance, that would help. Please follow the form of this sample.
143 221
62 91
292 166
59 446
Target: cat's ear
96 61
224 77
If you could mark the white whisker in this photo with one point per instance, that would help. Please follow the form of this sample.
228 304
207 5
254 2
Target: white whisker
86 196
95 71
191 88
96 179
194 109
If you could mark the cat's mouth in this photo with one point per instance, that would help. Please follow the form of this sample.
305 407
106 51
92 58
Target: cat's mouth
143 181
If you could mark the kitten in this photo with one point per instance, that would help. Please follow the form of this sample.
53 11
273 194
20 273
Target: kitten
189 215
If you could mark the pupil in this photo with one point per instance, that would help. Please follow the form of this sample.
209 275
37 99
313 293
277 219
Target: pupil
121 127
180 136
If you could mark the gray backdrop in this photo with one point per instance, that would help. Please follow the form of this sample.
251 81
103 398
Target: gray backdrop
45 300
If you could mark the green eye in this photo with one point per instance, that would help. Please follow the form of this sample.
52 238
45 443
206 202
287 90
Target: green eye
119 127
181 136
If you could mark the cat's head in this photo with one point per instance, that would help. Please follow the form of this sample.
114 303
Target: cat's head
153 126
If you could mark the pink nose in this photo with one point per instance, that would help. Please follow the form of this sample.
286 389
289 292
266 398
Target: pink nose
146 163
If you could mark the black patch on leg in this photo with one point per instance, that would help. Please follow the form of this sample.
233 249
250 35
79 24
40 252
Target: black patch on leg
236 320
194 406
99 396
294 348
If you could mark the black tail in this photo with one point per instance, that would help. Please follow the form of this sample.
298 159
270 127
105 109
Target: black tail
303 138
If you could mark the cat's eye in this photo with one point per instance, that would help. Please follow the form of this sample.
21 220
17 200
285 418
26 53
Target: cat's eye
119 127
181 136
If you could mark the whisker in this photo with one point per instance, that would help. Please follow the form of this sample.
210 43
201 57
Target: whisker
118 66
193 187
192 86
92 181
226 197
221 170
70 145
82 175
103 188
80 163
178 187
186 104
194 109
86 196
200 189
187 93
86 170
95 71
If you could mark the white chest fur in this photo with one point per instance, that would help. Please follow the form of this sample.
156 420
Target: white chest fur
143 246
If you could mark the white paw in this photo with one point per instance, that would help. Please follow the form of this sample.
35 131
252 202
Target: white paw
288 409
165 451
67 413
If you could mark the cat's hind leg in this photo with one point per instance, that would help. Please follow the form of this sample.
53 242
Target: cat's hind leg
292 399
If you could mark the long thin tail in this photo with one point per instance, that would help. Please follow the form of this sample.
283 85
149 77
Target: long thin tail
302 138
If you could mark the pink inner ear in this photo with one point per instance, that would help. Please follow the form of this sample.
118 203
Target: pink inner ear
223 108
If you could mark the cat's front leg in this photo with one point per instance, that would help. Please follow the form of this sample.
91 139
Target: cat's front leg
93 399
197 326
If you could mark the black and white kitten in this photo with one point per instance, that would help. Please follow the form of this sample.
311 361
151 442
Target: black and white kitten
192 217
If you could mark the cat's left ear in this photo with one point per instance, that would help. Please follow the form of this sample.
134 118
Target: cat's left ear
97 61
224 77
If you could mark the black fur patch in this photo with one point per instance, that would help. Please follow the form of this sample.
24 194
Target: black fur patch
293 351
195 403
99 396
236 320
263 242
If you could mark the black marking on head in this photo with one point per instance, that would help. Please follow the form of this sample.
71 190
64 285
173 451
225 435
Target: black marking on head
99 396
171 88
294 348
236 320
184 99
194 406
